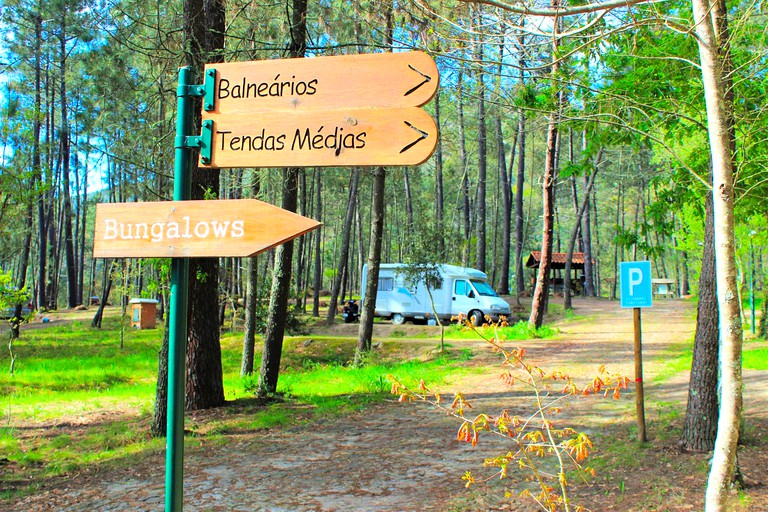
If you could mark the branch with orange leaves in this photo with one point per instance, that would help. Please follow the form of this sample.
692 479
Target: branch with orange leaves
533 435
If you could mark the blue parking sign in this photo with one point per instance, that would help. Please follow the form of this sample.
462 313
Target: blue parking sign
636 289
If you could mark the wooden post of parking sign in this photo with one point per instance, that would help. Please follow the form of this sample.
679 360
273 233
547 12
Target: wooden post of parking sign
637 293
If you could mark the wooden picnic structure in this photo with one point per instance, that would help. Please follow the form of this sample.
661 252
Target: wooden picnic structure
556 280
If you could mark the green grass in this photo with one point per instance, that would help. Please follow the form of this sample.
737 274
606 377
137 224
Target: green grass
70 369
84 401
676 358
756 359
679 357
325 381
519 331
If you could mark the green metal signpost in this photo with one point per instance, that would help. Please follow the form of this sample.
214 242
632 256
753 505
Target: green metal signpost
177 330
188 96
184 143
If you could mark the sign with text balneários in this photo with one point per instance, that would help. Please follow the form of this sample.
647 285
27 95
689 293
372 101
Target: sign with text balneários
403 79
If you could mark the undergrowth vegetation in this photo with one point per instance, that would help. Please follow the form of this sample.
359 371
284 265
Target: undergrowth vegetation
77 399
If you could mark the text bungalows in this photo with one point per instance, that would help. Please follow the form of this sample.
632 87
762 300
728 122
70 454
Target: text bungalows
325 138
237 227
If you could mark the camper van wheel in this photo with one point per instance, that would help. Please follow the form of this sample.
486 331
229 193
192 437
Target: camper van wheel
476 317
398 319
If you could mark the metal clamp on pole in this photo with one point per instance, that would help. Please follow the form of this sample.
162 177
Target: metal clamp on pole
190 91
209 88
204 141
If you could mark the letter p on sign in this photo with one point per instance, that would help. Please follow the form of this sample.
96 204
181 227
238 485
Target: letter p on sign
636 289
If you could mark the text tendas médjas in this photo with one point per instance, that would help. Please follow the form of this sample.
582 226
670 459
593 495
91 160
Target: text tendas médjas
161 231
302 140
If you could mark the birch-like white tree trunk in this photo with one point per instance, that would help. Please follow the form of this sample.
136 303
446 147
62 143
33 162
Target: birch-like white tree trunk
713 63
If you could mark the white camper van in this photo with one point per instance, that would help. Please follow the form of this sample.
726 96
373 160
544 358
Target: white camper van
463 290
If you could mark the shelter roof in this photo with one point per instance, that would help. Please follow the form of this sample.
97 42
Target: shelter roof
558 260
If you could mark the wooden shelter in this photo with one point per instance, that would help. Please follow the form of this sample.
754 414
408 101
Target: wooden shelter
143 313
556 280
663 288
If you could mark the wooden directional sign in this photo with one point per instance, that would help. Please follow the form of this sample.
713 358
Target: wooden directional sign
324 138
172 229
407 79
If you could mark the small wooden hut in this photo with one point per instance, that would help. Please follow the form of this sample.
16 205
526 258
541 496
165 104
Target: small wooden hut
556 281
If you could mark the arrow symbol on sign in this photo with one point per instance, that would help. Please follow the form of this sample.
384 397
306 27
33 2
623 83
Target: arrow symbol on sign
423 136
427 79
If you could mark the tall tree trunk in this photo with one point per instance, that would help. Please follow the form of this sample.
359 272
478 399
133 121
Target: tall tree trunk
251 299
685 287
439 195
107 280
360 237
301 288
596 232
24 263
54 242
344 253
506 205
278 299
35 179
365 332
40 302
711 25
567 303
159 425
465 209
281 279
204 32
378 210
251 312
616 244
408 203
541 291
83 228
482 157
506 187
318 272
589 272
519 185
700 428
69 245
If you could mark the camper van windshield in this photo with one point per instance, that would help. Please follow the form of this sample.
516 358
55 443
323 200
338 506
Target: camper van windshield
484 288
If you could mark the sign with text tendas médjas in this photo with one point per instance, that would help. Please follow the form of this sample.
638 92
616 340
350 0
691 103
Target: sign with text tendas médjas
352 110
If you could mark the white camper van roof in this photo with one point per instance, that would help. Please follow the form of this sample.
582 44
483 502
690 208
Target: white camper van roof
470 273
448 270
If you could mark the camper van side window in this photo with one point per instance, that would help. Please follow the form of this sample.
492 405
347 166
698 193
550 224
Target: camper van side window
461 288
386 284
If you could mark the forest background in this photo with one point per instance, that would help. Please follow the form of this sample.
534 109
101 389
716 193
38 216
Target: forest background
88 108
591 128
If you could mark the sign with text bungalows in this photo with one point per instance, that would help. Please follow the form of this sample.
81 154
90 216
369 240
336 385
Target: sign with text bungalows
174 229
405 79
324 138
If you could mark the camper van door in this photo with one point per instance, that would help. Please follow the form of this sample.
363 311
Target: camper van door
464 297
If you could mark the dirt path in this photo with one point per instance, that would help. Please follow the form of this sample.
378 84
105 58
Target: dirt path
399 457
